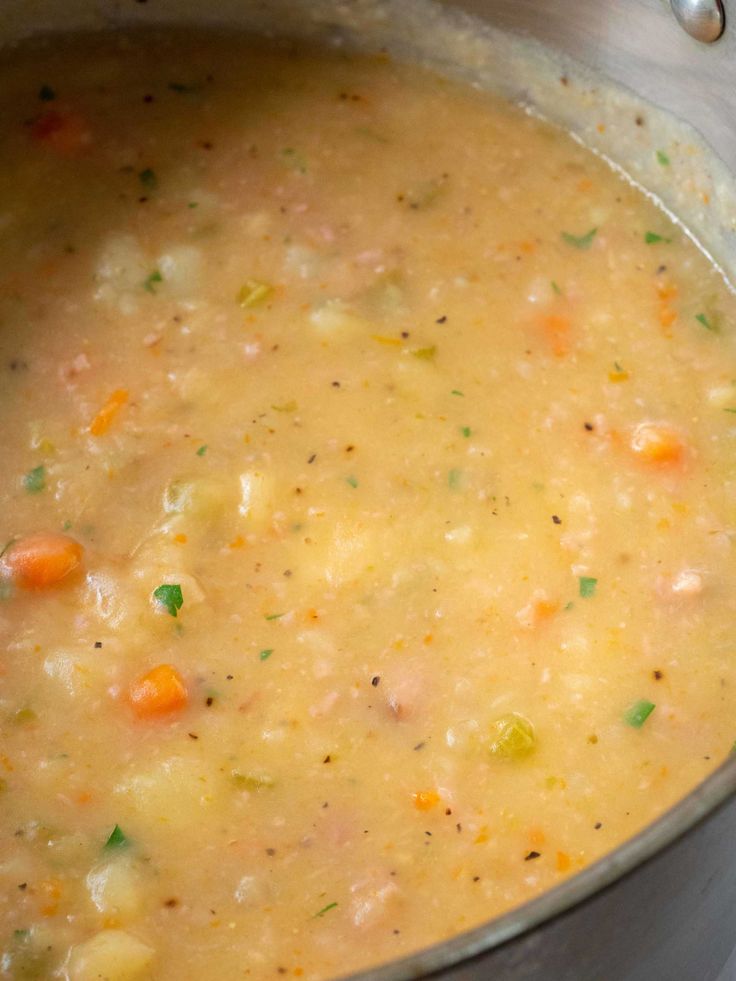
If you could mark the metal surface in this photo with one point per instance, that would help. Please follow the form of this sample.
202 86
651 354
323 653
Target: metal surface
703 20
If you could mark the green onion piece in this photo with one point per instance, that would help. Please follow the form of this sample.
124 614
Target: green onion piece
706 322
426 353
651 237
149 283
35 480
466 431
117 838
290 406
555 288
202 450
274 616
456 391
169 595
663 158
148 179
181 89
587 586
638 713
353 481
582 242
512 737
265 654
252 781
326 909
253 292
294 159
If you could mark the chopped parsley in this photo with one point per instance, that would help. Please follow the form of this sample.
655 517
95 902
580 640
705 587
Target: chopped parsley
555 288
587 586
265 654
456 391
274 616
117 838
426 353
466 431
35 480
353 481
638 713
651 237
202 450
582 242
149 283
706 322
326 909
148 179
169 595
663 158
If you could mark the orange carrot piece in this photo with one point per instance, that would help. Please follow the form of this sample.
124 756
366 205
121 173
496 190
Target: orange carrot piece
160 691
104 418
657 443
556 329
425 800
563 862
42 559
62 130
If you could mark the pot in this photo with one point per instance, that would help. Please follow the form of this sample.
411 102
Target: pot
663 905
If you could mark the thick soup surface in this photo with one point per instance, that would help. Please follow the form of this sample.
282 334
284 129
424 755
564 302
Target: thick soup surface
368 498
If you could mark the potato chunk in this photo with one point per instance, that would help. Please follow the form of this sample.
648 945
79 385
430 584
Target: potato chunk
111 955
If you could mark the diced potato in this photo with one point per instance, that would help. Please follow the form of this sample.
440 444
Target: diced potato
336 318
206 498
170 792
121 271
116 888
181 269
111 955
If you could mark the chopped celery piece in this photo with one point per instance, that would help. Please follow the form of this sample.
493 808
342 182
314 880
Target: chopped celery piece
253 292
252 781
512 737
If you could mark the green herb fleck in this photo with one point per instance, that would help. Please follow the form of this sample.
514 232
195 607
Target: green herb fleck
253 292
289 406
454 477
252 781
46 93
149 283
651 237
35 480
294 159
67 525
202 450
170 596
148 179
582 242
21 934
638 713
117 838
587 586
25 716
568 607
663 158
325 909
193 204
466 431
274 616
426 353
265 654
181 89
729 410
353 481
456 391
706 322
555 288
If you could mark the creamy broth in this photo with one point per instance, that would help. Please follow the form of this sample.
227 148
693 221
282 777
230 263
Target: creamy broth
368 505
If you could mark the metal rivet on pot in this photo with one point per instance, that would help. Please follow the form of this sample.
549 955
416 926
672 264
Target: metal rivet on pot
702 19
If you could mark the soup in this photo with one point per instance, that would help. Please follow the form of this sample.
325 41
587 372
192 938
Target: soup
366 510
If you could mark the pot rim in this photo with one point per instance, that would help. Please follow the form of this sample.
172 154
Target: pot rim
701 803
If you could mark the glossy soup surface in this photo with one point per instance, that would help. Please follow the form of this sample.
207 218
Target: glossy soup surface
368 494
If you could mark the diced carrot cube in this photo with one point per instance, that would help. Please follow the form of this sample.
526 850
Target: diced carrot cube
656 442
103 420
63 130
161 691
42 559
425 800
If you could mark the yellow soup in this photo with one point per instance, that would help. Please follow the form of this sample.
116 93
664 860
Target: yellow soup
367 505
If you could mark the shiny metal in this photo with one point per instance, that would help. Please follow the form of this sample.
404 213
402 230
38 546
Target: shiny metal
702 19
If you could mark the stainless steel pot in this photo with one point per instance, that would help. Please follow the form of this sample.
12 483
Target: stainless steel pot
663 906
